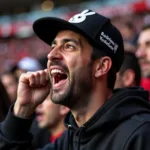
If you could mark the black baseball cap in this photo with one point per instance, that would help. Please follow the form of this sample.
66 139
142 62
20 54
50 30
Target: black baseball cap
96 28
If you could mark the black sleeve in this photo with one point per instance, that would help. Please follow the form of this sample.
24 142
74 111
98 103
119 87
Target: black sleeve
140 139
14 133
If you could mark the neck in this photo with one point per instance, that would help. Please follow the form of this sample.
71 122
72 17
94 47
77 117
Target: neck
98 97
57 129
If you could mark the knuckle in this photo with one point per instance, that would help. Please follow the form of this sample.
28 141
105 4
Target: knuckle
23 75
32 76
29 72
37 74
42 72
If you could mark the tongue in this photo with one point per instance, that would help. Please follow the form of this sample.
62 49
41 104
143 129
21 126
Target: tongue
59 77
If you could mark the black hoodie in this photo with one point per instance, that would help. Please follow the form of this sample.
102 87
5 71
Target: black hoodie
122 123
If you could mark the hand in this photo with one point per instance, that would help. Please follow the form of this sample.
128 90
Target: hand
33 89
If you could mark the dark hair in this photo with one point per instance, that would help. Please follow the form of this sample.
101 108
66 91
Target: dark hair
43 61
111 78
4 102
145 27
131 62
129 25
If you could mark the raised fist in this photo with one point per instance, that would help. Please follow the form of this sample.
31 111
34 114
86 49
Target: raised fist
33 89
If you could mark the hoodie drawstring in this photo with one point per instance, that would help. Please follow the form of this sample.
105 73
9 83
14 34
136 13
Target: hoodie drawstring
82 127
69 130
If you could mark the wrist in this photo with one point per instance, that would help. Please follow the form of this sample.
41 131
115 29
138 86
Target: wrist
24 111
15 128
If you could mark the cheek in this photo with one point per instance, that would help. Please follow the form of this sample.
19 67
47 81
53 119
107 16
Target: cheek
10 89
49 114
119 81
13 90
79 70
52 115
76 62
46 106
73 63
72 60
148 54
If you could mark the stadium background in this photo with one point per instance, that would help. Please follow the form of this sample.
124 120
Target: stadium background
17 39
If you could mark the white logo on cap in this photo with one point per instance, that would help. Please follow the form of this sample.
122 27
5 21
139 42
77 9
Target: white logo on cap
81 17
109 42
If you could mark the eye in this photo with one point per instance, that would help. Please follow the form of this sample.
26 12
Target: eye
70 46
147 43
53 46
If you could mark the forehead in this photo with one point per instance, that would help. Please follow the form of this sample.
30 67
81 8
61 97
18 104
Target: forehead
144 36
65 34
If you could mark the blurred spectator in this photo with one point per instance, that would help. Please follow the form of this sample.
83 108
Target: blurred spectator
10 83
147 19
4 102
143 53
27 64
130 72
129 47
129 33
13 49
50 118
43 61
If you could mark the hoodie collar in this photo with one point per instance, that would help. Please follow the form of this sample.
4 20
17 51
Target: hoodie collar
122 105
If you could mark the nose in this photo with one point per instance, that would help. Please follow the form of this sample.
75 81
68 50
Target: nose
140 52
55 54
39 106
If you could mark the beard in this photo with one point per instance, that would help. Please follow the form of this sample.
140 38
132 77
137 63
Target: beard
145 70
78 90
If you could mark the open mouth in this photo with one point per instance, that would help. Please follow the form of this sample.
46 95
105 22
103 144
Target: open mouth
58 77
39 116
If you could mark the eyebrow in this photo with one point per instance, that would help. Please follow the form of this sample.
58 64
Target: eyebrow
146 42
67 40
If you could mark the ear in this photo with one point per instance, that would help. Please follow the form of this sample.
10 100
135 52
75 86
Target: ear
103 65
128 78
64 110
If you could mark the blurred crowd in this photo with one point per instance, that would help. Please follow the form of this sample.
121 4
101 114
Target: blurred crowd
22 55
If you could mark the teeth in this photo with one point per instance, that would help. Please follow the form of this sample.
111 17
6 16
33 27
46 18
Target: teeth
56 71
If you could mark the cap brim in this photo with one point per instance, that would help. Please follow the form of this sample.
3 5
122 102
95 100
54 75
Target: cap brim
47 28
